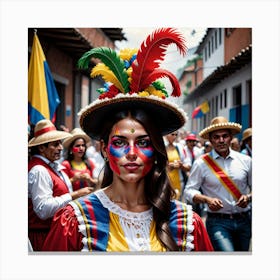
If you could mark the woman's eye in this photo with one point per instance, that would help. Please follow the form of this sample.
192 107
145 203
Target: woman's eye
118 142
143 143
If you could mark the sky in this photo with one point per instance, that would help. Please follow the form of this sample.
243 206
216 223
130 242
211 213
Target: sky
173 60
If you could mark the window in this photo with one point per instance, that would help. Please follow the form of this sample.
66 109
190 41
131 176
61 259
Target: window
209 49
225 98
236 96
212 107
216 39
221 100
220 36
205 53
216 105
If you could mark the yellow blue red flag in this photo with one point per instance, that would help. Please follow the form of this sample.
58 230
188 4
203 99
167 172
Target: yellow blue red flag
200 110
43 98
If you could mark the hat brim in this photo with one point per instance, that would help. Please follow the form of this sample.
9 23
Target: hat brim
191 139
48 137
246 137
233 127
167 115
67 142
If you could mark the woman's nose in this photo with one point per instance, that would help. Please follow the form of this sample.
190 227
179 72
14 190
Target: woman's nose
131 155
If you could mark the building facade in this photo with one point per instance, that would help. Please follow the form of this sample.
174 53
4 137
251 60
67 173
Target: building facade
226 83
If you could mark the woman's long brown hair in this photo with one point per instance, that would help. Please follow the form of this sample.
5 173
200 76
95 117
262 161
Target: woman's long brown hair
157 187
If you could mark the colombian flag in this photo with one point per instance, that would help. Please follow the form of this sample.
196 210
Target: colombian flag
200 110
43 98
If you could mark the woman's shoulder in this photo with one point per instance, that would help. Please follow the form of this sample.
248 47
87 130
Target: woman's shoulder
180 210
66 163
89 202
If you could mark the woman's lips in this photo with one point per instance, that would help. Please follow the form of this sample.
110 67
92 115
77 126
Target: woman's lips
131 166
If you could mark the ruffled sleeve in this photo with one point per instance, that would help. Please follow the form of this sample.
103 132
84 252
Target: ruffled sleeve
201 239
188 229
64 234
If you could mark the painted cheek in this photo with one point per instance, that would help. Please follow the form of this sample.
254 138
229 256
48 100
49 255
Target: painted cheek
146 156
75 149
114 155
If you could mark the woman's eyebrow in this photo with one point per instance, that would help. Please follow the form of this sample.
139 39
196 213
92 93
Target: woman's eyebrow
124 137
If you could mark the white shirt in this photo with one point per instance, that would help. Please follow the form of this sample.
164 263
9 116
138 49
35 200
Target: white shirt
40 190
236 165
197 153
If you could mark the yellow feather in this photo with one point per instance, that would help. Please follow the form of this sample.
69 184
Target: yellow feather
154 91
143 93
126 54
107 75
129 71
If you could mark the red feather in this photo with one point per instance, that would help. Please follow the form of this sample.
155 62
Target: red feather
160 73
152 51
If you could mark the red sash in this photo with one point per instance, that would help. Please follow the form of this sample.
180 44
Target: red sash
222 176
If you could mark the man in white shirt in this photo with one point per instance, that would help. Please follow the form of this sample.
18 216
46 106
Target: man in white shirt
224 177
49 188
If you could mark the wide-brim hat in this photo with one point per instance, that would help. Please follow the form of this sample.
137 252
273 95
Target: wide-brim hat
167 115
76 133
247 133
219 123
45 132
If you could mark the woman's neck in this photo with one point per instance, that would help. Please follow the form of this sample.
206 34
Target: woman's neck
78 159
129 196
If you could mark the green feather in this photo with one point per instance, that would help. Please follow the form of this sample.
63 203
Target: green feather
159 85
111 59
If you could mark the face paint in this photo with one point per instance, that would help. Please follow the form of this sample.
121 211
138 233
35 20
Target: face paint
147 157
75 149
118 148
117 131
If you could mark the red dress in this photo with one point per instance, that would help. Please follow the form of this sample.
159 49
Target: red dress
71 173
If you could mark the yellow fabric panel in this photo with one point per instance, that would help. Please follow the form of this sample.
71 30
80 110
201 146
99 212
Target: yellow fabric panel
174 175
155 244
116 242
81 166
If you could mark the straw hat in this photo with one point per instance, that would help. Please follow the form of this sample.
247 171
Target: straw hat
247 133
76 134
132 81
46 132
219 123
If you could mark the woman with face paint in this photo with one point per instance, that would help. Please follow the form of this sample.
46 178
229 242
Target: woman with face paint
78 167
135 209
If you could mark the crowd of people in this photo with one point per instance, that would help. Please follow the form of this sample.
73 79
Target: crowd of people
130 178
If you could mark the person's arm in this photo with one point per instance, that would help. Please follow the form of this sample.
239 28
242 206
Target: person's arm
194 182
214 204
40 191
81 192
40 188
